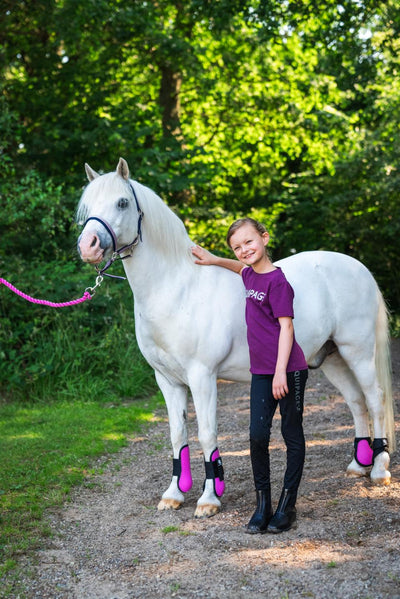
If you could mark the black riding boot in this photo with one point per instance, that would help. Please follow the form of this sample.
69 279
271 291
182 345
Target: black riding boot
259 521
285 515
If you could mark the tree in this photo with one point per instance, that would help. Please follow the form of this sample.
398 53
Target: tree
224 108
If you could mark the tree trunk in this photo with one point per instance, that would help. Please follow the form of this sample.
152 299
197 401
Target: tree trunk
169 98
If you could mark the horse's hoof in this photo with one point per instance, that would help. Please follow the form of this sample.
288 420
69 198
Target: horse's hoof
354 469
381 480
352 472
206 510
380 474
169 504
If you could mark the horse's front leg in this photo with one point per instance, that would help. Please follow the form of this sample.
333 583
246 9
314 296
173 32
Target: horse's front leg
203 386
176 400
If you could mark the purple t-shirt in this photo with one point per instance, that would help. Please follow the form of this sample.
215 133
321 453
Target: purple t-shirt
268 297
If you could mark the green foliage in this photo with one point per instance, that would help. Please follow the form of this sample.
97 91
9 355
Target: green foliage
68 375
34 218
345 215
43 348
355 210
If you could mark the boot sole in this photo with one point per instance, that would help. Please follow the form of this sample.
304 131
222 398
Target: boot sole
255 532
275 531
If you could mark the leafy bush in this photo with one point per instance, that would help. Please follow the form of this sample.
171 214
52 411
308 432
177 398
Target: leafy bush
47 352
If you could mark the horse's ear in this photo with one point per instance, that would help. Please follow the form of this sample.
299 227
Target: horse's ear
123 169
90 173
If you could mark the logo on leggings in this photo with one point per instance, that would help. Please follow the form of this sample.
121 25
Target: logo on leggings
297 390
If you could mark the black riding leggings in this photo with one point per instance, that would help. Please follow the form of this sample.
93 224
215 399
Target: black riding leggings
262 410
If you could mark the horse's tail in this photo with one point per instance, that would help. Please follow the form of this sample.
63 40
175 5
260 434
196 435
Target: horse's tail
384 370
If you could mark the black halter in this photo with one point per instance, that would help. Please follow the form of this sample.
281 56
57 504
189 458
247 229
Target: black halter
116 255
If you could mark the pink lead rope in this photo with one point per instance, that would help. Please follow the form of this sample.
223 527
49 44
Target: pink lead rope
86 296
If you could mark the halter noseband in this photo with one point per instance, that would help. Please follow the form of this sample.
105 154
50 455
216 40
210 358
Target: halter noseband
116 255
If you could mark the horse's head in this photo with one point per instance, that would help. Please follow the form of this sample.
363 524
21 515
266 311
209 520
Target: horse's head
109 212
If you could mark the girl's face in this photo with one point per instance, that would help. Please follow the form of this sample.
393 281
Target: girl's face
249 246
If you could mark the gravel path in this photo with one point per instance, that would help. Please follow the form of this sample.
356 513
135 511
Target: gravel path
110 542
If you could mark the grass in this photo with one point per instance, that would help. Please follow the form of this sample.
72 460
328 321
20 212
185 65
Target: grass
168 529
46 450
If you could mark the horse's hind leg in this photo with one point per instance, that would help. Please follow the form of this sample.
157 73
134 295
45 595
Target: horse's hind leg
176 400
363 372
340 375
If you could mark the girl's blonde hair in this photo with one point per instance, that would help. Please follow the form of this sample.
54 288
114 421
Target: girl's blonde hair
244 221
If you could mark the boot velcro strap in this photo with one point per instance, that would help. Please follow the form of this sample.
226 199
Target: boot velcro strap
214 469
379 446
215 472
176 467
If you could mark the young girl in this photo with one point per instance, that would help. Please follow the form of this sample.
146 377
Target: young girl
278 368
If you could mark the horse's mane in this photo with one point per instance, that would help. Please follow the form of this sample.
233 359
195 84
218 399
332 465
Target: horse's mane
162 228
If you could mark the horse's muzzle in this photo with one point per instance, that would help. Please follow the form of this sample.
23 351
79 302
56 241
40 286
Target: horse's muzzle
90 247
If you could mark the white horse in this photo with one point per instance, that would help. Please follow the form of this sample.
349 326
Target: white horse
190 326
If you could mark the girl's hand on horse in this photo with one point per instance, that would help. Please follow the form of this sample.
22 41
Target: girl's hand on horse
203 256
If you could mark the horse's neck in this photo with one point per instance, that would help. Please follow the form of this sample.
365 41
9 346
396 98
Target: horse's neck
156 283
162 259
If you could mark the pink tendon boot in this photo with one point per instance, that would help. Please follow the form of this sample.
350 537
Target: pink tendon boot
215 471
363 451
181 469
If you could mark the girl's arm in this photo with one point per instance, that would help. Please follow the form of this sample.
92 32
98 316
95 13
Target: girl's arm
207 258
286 335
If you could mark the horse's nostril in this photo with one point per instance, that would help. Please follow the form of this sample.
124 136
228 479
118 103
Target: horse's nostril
94 242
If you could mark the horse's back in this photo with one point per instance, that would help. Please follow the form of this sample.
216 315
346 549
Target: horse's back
343 277
336 298
335 295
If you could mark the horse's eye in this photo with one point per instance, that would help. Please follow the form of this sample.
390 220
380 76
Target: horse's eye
123 203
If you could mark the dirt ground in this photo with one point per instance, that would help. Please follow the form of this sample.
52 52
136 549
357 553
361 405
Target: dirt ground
110 542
